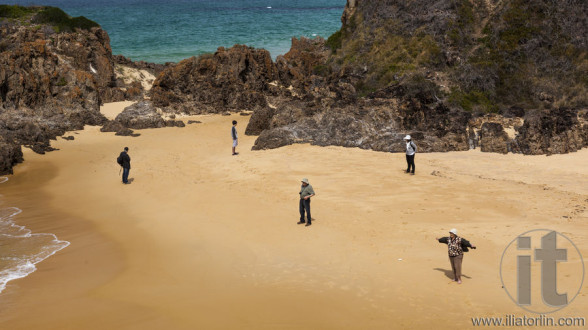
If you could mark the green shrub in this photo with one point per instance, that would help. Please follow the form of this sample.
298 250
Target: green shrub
62 21
474 100
14 11
321 70
334 41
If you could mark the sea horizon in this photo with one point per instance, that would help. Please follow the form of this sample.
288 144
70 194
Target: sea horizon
169 31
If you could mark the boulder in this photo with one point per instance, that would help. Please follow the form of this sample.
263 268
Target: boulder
493 138
10 155
554 131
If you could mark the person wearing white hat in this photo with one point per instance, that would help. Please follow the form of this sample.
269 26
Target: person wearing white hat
456 247
306 192
411 149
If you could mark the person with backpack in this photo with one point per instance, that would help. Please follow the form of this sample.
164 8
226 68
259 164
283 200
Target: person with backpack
456 247
411 149
124 160
234 136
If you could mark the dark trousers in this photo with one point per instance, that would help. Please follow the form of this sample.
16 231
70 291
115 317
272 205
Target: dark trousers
126 175
410 162
305 206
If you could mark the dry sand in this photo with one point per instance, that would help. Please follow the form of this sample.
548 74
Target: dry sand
204 240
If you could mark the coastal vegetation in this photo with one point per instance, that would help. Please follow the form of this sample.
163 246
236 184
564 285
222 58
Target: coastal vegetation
484 56
52 16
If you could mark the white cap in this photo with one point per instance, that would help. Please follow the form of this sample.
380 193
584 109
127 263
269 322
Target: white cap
453 231
407 137
305 180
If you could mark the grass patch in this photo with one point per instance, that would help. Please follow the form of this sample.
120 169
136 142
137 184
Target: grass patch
335 40
62 21
62 82
14 11
474 100
321 70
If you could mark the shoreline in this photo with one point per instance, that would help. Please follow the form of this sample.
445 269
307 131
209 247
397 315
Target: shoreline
205 239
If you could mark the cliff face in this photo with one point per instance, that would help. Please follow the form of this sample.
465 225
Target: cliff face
457 74
55 72
482 55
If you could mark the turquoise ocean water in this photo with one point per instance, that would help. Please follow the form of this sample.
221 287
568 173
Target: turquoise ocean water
161 31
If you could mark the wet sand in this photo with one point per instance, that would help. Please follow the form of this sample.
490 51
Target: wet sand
203 239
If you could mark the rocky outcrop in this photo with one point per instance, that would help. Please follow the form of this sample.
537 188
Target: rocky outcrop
375 123
426 66
10 155
555 131
303 62
55 72
42 93
493 138
153 68
230 79
144 115
140 115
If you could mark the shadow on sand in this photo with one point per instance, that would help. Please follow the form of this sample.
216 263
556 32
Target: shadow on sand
449 273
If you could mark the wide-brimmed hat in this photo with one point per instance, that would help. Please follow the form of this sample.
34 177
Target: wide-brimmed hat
305 180
407 137
453 231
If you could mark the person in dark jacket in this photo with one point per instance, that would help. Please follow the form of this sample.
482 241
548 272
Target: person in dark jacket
126 165
456 247
306 192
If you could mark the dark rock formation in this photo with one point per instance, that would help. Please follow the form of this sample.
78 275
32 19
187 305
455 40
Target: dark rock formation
55 72
493 138
117 127
52 79
555 131
230 79
140 115
260 121
10 155
153 68
300 66
377 124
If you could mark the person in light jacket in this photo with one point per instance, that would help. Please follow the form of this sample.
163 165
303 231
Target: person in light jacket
411 149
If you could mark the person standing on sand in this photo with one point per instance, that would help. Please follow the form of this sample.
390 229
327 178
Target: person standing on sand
126 165
306 192
411 149
456 247
234 135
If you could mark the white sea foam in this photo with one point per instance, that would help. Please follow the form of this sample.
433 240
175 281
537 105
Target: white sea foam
20 248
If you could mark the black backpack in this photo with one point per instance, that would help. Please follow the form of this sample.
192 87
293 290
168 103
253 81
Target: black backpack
119 160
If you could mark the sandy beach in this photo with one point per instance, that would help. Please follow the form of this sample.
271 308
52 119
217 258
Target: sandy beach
204 240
